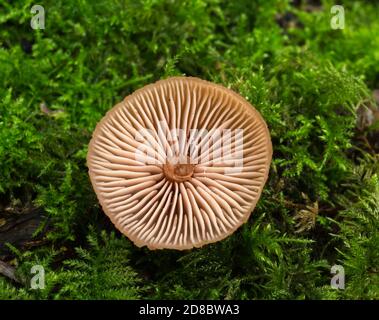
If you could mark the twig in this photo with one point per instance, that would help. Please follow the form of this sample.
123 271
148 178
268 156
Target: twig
8 271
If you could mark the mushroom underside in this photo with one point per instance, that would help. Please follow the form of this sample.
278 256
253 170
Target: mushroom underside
179 163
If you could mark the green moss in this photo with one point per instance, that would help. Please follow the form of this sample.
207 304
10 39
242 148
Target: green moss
306 79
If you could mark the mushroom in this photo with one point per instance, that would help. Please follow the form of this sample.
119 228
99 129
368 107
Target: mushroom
179 163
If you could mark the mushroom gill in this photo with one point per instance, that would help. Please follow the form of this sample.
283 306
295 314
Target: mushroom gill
179 163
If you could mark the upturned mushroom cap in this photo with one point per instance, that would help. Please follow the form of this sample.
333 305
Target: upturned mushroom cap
179 163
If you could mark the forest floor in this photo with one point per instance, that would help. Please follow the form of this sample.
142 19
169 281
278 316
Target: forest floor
311 70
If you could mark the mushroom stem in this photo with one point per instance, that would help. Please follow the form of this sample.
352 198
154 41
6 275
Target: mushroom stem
178 170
